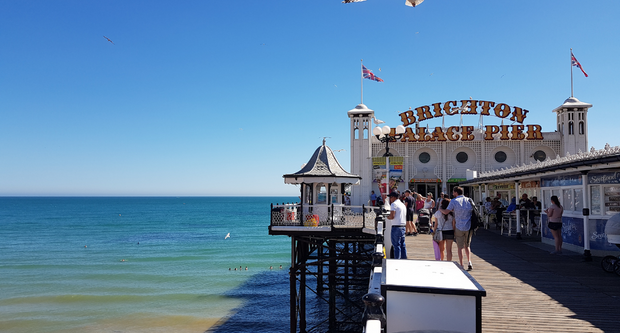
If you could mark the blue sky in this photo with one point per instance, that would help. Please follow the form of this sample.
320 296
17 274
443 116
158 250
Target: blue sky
224 97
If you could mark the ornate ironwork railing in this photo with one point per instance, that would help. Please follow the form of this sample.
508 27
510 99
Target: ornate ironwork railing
334 215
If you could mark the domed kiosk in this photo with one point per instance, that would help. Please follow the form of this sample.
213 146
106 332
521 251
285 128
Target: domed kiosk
325 204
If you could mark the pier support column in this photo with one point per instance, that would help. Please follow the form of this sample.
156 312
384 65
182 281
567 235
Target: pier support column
332 285
587 256
517 198
293 287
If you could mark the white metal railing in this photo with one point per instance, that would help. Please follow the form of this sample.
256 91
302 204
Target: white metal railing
334 215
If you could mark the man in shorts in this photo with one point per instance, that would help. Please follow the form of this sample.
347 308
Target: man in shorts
462 208
410 204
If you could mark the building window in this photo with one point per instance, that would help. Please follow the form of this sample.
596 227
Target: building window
571 129
540 155
462 157
500 157
424 157
581 128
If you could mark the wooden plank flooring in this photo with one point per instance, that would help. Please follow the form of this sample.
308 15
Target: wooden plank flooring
530 290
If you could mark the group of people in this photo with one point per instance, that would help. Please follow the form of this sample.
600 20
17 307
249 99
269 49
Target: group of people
452 217
532 207
414 202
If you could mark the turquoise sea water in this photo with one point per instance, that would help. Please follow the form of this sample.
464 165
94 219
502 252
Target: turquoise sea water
132 264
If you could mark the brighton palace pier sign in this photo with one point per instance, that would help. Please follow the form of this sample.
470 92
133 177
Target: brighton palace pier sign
465 133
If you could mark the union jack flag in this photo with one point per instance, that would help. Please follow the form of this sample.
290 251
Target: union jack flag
576 63
367 74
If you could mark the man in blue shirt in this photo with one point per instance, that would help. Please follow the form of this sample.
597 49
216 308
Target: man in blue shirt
398 216
461 206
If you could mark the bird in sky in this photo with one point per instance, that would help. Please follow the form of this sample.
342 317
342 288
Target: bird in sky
109 40
227 235
413 3
377 121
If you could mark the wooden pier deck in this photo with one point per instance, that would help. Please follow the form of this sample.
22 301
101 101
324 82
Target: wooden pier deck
530 290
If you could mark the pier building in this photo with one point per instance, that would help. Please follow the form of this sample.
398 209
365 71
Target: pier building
435 159
503 161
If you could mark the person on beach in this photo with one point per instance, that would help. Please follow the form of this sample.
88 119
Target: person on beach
554 217
462 208
398 217
410 229
445 223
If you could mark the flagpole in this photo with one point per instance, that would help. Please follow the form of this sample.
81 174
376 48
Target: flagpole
362 80
571 72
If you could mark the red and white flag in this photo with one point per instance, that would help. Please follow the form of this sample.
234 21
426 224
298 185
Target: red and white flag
368 74
576 63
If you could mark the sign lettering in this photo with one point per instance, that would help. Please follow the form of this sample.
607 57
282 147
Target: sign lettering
465 133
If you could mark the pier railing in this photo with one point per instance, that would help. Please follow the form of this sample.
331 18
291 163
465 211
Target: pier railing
334 215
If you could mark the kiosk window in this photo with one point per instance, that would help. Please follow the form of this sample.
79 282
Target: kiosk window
612 199
595 200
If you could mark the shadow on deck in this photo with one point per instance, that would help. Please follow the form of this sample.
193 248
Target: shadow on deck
530 290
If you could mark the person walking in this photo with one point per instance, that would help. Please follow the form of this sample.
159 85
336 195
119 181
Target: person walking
438 202
410 230
461 206
398 217
446 224
373 198
554 216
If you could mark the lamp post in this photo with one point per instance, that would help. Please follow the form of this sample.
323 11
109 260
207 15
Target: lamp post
384 134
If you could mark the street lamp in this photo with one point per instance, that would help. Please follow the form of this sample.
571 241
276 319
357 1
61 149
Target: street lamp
383 134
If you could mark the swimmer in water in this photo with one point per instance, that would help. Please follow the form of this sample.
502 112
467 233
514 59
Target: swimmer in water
280 266
246 268
235 268
270 267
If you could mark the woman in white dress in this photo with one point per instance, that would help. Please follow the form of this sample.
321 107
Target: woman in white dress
446 224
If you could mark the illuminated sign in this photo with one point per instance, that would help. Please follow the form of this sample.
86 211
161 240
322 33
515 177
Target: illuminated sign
466 133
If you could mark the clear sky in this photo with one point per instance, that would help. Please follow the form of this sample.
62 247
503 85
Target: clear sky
224 97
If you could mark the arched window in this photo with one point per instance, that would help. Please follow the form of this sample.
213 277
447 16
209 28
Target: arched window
356 134
582 128
321 195
571 129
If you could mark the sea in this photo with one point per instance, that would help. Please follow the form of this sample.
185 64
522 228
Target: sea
142 264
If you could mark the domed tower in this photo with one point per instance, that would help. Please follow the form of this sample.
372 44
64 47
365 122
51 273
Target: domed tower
361 117
572 120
